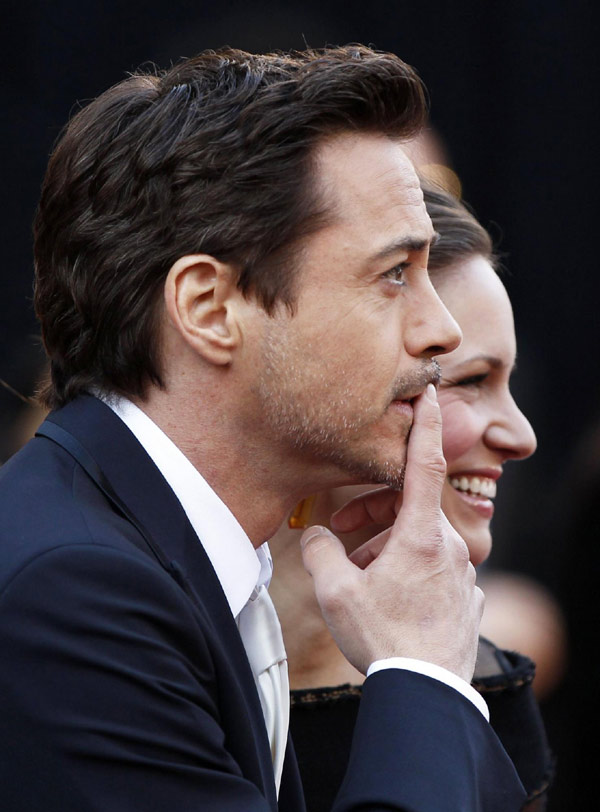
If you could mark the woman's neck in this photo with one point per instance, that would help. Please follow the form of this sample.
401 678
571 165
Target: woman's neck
314 659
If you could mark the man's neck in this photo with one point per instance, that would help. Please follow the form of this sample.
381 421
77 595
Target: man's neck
251 487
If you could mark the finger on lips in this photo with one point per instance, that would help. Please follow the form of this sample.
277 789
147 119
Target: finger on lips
425 463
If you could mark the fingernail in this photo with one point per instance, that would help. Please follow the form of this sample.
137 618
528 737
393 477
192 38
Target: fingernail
431 393
312 533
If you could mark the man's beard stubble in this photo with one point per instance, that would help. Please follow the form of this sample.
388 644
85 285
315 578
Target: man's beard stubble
310 412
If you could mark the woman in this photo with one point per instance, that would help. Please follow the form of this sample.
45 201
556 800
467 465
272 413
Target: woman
482 429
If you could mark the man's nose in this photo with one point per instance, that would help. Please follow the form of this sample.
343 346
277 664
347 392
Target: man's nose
433 330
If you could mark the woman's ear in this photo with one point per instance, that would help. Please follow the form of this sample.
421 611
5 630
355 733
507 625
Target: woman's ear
201 297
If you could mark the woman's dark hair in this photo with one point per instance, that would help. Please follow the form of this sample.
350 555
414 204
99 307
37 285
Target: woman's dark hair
460 235
212 156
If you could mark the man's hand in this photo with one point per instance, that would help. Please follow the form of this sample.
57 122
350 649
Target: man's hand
410 592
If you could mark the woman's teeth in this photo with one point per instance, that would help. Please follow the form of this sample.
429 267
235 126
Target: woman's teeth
479 486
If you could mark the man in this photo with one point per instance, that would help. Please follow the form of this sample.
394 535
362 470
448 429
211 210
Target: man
231 280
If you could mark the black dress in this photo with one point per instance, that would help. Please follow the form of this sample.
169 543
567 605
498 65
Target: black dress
322 722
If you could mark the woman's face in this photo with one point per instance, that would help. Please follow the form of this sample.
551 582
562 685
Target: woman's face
482 425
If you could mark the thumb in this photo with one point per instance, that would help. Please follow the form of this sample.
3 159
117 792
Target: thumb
322 554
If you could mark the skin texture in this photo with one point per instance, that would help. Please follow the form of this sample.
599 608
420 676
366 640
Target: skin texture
261 404
421 553
482 429
306 407
320 393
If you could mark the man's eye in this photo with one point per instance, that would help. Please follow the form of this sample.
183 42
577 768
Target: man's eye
396 273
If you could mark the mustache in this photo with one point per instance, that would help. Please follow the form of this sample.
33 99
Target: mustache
415 382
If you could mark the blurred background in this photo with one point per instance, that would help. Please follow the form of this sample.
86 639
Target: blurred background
513 93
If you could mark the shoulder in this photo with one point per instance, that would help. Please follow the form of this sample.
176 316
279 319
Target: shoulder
53 514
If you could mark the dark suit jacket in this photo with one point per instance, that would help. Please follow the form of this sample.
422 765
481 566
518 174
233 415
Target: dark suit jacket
124 684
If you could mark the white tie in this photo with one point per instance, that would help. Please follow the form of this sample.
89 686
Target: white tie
260 631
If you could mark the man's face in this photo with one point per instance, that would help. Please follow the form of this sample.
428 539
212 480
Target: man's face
335 380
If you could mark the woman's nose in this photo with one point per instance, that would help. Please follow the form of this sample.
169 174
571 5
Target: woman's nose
512 432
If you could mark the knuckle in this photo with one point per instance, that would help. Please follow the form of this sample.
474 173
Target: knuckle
433 463
456 544
462 553
436 462
444 546
337 596
433 549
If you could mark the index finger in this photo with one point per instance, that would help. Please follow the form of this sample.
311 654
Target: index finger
425 464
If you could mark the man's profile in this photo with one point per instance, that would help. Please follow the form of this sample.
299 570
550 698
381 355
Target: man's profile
231 279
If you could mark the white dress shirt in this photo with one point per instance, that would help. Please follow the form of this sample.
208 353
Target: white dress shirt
240 568
243 571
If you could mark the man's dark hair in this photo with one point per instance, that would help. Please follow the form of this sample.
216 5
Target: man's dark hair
212 156
460 234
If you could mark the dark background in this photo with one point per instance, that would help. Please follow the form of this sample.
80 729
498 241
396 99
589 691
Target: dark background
513 89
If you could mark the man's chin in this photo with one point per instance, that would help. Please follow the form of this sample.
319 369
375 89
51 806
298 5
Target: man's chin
376 472
393 479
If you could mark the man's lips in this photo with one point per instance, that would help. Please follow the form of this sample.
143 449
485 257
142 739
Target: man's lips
410 389
403 401
408 395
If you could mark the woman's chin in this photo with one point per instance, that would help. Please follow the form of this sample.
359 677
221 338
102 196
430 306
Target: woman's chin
477 539
470 521
479 550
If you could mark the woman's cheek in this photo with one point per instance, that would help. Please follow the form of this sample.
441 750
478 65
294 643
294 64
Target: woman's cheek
459 432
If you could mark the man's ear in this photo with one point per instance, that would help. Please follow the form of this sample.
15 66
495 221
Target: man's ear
201 298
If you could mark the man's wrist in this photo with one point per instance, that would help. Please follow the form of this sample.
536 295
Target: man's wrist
435 672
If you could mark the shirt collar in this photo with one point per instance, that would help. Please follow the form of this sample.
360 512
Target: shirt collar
240 568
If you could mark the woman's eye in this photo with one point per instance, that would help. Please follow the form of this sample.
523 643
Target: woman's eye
472 380
396 273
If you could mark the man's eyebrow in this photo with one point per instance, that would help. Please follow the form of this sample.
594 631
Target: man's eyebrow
405 244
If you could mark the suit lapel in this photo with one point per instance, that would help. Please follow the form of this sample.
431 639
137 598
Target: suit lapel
121 464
